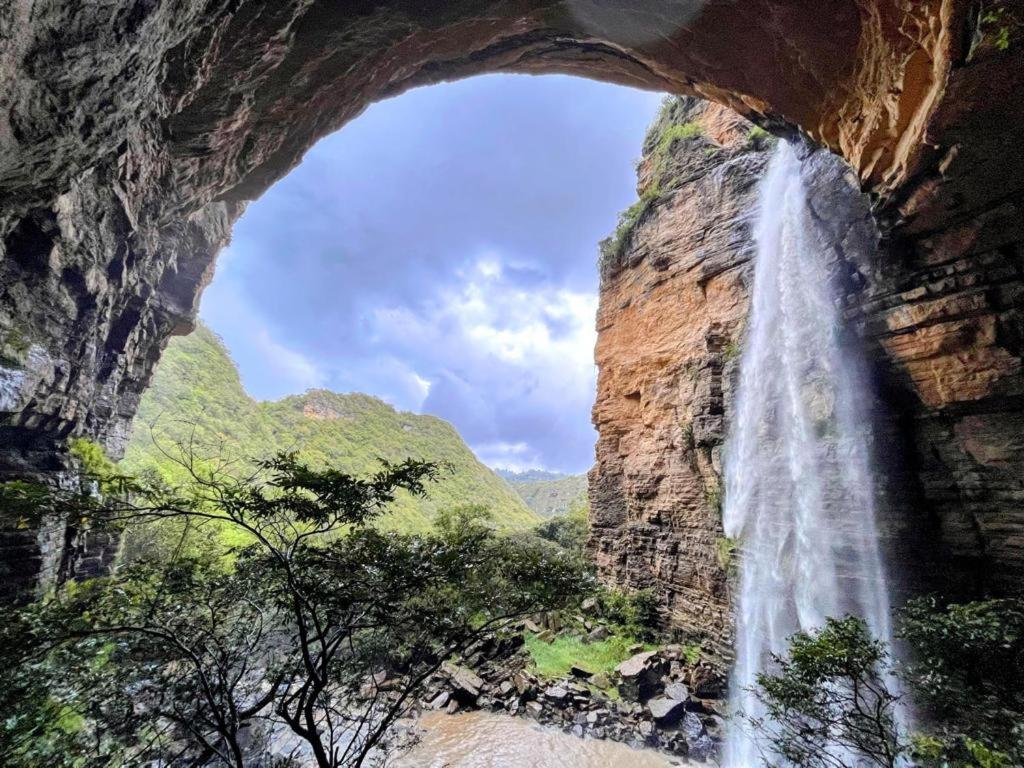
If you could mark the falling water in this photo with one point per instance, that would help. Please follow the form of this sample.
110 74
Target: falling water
799 491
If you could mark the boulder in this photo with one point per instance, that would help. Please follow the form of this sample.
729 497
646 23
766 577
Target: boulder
677 691
706 682
577 671
466 683
440 701
556 694
666 711
597 634
635 665
600 680
641 675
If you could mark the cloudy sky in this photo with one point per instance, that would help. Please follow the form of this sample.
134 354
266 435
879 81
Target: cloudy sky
440 252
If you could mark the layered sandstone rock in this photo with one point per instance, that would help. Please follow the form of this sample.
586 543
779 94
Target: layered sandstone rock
945 394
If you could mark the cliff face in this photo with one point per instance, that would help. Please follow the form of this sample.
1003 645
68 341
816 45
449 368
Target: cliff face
674 300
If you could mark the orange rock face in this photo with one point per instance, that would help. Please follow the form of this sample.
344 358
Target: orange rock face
939 321
669 324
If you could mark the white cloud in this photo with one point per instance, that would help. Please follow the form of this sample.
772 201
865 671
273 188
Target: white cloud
511 366
294 369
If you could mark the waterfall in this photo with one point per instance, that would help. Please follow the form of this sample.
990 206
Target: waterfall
799 493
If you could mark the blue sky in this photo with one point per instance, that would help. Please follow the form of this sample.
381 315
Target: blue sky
440 252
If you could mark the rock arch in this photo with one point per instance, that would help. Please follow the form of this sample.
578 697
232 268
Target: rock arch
133 134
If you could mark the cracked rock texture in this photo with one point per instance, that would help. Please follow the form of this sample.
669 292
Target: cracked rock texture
132 134
673 304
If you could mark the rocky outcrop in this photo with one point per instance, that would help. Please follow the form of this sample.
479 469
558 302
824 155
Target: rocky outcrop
942 333
679 708
132 135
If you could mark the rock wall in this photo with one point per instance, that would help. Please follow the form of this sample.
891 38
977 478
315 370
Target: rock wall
940 331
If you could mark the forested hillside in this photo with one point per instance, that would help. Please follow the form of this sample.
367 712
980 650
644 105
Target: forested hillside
197 396
548 493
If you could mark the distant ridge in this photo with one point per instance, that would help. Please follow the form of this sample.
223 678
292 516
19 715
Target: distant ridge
548 493
530 475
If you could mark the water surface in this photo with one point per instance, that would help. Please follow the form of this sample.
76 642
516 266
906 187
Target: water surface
484 740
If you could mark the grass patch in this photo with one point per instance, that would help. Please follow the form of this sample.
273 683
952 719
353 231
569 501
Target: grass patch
713 496
673 133
553 660
614 248
758 138
725 553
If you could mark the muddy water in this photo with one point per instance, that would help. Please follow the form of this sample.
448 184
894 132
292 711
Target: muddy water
483 740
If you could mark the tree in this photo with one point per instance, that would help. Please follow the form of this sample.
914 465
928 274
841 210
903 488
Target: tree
316 622
827 704
967 672
569 530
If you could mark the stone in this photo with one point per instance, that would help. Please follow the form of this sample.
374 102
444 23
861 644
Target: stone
597 634
580 672
466 683
666 711
440 701
524 683
556 694
707 682
601 681
589 605
677 691
640 675
635 665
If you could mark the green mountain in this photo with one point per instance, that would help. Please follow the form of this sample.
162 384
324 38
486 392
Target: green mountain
548 493
197 395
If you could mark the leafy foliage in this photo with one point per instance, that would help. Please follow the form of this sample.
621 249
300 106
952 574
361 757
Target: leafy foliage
570 530
835 688
633 613
827 704
329 636
968 670
613 249
197 400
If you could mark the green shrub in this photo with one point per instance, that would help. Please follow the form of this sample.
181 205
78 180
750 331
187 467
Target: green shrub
725 553
759 138
830 690
613 248
679 132
968 671
633 613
